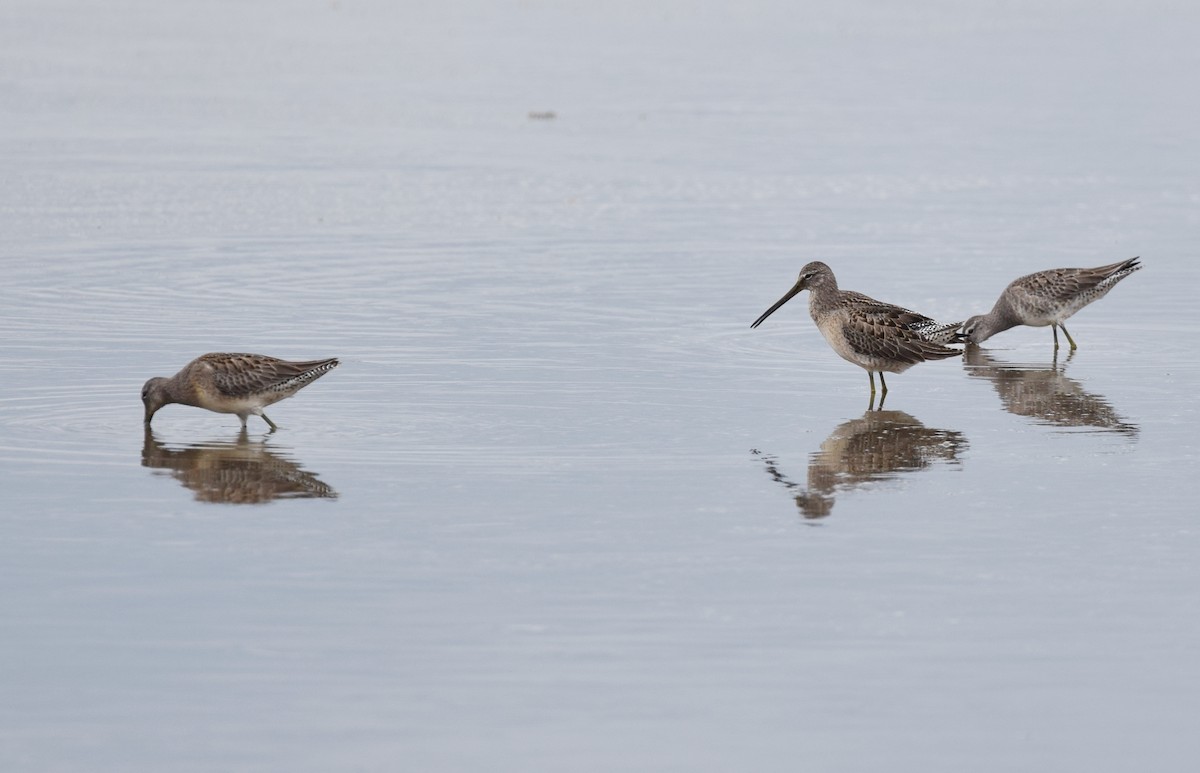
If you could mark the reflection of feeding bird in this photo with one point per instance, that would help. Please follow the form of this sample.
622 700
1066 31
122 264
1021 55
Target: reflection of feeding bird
877 446
873 335
1044 393
237 472
233 383
1047 298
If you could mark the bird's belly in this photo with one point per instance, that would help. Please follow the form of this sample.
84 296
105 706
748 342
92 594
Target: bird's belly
239 405
837 341
877 364
1038 315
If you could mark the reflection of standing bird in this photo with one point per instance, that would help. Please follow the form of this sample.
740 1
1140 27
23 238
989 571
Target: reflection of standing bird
233 383
878 446
1047 298
873 335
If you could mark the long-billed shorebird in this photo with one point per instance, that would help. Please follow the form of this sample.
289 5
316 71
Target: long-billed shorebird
1047 298
233 383
875 336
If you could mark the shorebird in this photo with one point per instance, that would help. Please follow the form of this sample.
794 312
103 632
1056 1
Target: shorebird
873 335
233 383
1047 298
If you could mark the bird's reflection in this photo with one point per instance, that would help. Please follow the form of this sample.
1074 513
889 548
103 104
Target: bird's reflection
238 471
878 446
1045 394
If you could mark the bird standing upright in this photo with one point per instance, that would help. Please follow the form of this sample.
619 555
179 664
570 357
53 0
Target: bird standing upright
873 335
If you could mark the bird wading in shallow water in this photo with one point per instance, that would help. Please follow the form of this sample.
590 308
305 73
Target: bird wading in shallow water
876 336
1047 298
243 384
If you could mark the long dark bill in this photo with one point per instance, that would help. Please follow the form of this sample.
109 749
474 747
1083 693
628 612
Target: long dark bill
790 293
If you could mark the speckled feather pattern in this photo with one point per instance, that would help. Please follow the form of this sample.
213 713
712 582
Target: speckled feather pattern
1047 298
245 375
876 336
241 384
1060 292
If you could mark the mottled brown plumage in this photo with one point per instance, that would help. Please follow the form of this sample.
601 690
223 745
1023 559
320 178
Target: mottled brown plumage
1047 298
874 335
242 384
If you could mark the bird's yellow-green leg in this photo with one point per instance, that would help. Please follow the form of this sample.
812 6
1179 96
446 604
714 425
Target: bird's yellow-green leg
1068 335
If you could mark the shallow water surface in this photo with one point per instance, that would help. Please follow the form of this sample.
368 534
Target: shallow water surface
560 507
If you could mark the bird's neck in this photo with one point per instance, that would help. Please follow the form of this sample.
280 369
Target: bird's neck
177 390
823 299
1000 318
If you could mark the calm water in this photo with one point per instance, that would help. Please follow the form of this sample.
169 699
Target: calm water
560 508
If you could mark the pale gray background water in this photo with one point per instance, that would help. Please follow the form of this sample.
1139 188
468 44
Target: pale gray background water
552 512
